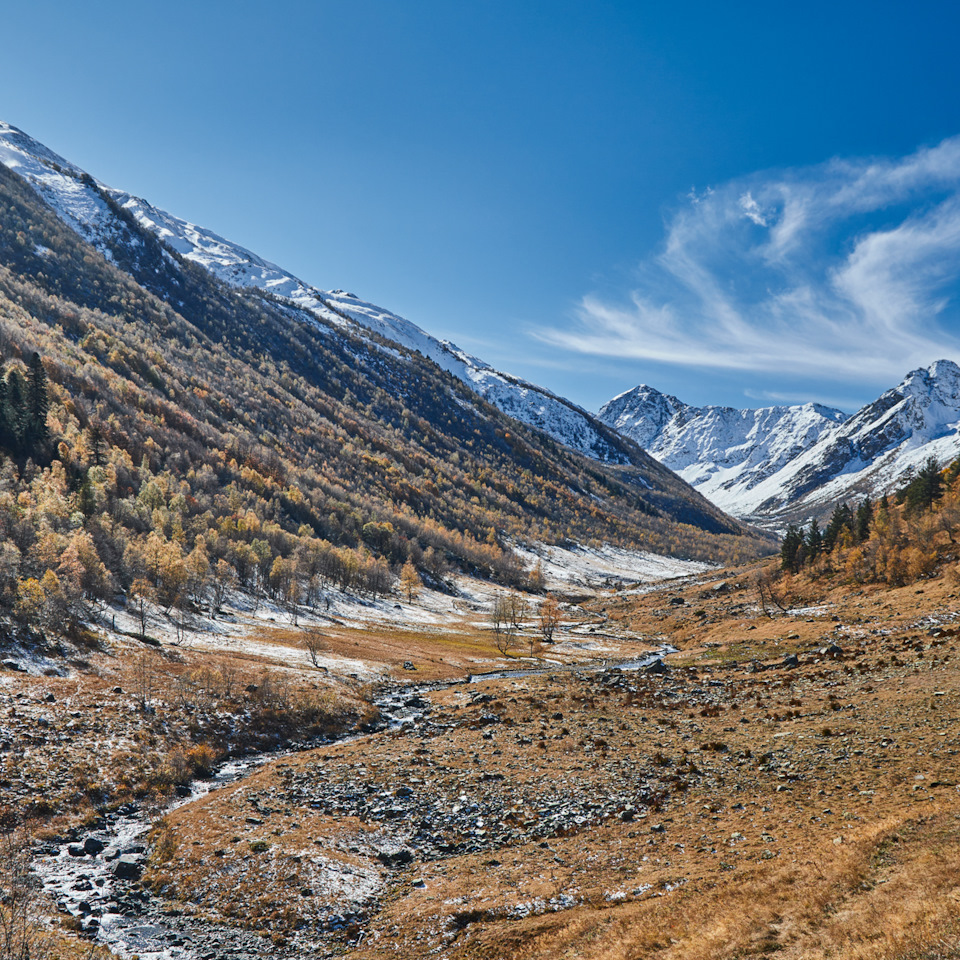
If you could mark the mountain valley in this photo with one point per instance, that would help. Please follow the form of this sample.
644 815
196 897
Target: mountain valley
321 638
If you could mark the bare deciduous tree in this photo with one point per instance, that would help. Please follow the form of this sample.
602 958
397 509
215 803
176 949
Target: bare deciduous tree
313 644
21 935
501 619
549 617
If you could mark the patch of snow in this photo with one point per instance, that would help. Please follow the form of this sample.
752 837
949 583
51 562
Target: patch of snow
592 566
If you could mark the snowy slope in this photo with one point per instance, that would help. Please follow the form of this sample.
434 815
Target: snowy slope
780 463
725 453
877 448
79 201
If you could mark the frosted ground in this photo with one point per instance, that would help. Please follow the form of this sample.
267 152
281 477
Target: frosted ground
584 569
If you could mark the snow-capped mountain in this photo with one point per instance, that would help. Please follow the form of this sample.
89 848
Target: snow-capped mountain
877 448
779 463
723 452
93 209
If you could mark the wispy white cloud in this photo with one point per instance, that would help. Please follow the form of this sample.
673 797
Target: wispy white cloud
850 268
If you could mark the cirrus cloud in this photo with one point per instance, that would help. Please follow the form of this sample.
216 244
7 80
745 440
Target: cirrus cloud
849 268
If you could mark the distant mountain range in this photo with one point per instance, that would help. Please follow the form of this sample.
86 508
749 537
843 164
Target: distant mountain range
776 464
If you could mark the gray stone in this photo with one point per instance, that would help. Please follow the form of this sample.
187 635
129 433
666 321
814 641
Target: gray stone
126 868
92 846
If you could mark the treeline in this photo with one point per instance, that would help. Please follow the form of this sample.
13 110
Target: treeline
894 540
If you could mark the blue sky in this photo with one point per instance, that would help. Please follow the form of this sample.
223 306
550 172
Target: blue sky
739 203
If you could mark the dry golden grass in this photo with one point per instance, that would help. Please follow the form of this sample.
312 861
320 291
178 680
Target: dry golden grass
806 813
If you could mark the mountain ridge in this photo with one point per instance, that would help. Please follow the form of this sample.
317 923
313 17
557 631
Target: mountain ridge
792 462
85 204
341 443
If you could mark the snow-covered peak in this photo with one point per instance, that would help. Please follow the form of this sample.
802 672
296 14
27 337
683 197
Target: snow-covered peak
82 203
641 413
799 461
724 452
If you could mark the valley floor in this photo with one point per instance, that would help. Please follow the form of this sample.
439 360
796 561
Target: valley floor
787 786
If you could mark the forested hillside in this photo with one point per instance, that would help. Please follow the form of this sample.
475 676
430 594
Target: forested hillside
198 437
897 539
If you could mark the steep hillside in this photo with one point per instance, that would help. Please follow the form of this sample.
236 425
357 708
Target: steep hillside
272 448
876 449
725 453
91 208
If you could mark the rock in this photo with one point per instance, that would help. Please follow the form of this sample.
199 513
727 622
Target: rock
657 667
92 846
13 665
791 660
677 602
126 868
397 859
832 651
407 665
49 698
76 850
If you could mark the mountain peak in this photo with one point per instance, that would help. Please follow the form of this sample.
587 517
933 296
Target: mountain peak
941 378
641 413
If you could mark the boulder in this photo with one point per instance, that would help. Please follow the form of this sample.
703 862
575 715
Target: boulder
126 868
92 846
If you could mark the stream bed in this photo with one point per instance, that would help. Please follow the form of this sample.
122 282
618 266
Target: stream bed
93 875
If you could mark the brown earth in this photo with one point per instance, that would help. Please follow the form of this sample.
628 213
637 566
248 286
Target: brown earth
735 806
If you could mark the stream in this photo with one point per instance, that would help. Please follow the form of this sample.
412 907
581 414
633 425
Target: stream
94 875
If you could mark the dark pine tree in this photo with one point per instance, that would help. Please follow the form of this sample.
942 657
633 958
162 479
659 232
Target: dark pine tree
861 530
841 518
36 431
925 489
790 549
814 540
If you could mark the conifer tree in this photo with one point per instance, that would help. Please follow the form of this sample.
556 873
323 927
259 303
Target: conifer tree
814 541
864 516
37 404
790 548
